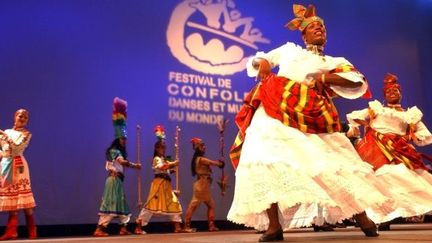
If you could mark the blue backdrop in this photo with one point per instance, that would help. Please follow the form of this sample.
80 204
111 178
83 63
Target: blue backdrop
176 63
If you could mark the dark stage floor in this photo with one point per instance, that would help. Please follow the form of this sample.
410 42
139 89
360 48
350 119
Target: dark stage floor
399 233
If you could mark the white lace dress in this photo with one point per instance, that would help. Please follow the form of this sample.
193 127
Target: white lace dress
313 177
411 188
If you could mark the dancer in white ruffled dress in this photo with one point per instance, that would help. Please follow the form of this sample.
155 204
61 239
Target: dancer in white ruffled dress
294 166
386 146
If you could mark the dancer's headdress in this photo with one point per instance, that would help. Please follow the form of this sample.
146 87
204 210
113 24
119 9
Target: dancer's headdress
303 17
159 132
119 117
390 81
196 142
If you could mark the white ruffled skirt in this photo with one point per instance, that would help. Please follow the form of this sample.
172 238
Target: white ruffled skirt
412 189
312 177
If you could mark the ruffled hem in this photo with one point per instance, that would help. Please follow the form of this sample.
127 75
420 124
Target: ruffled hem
412 190
302 200
13 203
312 177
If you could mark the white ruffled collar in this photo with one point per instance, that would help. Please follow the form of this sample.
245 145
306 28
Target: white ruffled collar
412 115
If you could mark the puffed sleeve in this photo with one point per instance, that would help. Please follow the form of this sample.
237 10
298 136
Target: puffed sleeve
273 57
363 114
421 132
424 137
357 115
158 162
346 70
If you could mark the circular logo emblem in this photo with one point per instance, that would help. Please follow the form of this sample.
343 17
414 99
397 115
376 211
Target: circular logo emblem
212 37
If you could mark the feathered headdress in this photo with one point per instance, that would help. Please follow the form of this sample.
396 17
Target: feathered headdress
159 132
195 142
303 17
119 117
390 81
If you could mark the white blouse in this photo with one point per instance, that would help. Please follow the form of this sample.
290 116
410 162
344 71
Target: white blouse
300 65
158 164
388 120
115 165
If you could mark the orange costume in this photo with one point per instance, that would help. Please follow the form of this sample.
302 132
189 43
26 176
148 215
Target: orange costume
161 199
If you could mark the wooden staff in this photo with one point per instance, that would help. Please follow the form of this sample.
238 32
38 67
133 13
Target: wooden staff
177 158
138 157
223 181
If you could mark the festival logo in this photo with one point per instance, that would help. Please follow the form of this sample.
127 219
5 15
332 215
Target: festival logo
212 37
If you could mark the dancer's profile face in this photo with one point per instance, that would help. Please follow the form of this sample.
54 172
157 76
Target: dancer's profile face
202 147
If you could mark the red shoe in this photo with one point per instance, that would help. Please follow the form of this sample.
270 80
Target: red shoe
11 228
124 231
138 228
139 231
100 231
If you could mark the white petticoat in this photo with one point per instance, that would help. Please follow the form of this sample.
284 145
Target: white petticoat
313 178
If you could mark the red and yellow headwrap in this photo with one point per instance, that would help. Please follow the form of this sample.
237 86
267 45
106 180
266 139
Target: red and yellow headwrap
195 142
303 17
390 81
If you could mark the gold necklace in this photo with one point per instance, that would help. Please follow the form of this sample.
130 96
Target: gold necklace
397 107
315 49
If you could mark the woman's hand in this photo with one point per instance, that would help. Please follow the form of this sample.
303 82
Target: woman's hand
353 132
221 164
263 67
136 166
318 82
174 163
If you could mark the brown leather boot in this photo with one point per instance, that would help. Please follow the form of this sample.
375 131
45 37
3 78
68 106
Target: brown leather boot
11 228
31 226
367 226
212 226
100 231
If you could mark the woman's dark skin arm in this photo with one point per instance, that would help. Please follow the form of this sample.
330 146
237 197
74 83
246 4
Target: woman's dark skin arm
206 161
264 68
323 79
334 79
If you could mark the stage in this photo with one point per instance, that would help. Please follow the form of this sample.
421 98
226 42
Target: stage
399 233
